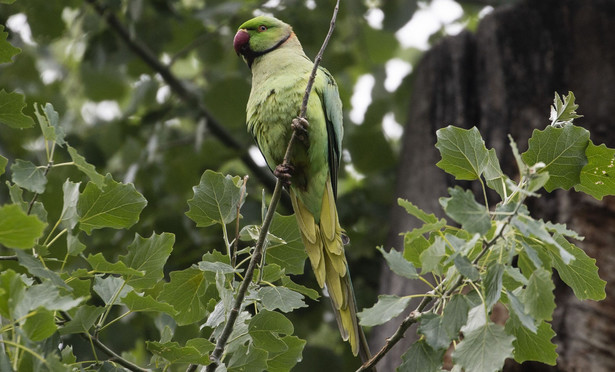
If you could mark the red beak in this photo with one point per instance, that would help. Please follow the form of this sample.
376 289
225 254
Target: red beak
240 42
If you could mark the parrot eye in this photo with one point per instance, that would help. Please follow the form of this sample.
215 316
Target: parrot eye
262 28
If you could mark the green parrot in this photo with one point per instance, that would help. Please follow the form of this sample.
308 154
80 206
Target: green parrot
280 72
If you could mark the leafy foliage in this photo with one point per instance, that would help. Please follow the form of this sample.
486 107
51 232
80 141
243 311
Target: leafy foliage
89 267
480 256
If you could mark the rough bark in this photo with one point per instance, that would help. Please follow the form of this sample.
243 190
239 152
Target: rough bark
502 79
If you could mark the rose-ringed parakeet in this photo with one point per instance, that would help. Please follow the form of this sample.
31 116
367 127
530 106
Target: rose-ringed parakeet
280 72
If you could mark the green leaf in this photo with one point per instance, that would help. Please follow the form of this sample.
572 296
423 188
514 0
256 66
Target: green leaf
455 315
148 255
532 228
87 168
286 360
281 298
518 159
477 317
40 325
215 267
136 302
387 308
493 283
111 289
517 309
431 325
484 349
581 274
598 175
266 328
69 208
413 247
563 112
562 230
100 265
248 358
463 208
494 176
538 295
7 51
216 199
45 295
16 193
186 292
117 206
3 162
417 212
18 230
67 355
83 320
533 346
49 122
288 251
398 264
196 351
562 150
463 152
466 268
432 256
421 357
11 106
309 292
415 243
28 176
36 268
13 291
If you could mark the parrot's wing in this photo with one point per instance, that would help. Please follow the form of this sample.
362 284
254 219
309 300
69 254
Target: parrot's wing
332 107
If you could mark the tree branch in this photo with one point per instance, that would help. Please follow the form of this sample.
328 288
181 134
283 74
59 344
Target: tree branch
277 192
188 97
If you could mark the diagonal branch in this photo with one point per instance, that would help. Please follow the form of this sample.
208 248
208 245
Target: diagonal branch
277 192
188 97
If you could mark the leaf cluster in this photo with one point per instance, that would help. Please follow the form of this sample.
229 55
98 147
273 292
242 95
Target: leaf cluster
51 294
498 255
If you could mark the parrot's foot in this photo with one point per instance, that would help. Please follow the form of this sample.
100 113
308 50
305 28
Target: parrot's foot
284 173
300 126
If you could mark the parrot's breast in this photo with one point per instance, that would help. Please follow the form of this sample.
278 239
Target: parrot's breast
275 100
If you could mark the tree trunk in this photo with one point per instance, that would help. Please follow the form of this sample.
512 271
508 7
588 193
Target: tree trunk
502 80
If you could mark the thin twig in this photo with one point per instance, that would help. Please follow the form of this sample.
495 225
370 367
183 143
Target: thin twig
188 97
31 204
236 242
277 192
105 349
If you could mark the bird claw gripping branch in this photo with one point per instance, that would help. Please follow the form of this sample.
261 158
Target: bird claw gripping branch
300 126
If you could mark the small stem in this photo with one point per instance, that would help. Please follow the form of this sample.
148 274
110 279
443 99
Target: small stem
21 347
108 309
47 169
55 238
114 320
105 349
58 165
236 242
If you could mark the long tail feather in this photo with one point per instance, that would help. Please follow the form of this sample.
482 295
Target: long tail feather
322 238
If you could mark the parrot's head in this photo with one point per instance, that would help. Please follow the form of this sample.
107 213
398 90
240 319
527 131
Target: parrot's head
260 36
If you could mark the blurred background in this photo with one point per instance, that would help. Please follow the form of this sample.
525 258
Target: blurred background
404 68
